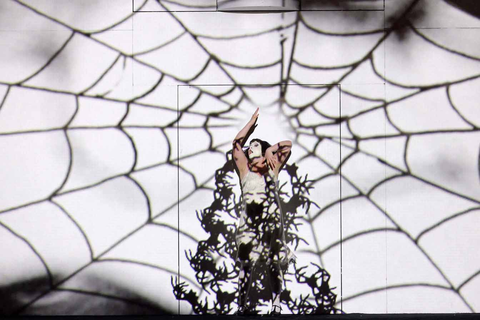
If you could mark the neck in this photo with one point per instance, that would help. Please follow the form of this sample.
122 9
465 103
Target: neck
258 165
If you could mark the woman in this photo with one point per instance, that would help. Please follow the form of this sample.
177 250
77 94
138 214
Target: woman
260 233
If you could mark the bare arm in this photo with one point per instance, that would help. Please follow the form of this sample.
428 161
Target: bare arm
241 138
278 154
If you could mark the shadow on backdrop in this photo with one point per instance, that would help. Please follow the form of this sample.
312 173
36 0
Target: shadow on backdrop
213 262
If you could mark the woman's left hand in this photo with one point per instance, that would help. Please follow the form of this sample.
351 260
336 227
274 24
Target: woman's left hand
271 159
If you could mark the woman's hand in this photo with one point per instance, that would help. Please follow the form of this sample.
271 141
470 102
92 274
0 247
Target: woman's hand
254 118
271 159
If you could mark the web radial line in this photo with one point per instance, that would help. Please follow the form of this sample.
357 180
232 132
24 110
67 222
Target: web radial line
84 235
441 222
35 252
49 60
427 39
398 286
5 97
107 296
107 70
290 63
32 203
468 280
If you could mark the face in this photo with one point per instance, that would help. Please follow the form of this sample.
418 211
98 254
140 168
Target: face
255 150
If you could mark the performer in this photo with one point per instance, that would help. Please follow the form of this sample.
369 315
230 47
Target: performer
260 232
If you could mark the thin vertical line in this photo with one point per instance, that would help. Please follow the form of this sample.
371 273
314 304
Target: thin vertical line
385 146
133 30
341 211
178 193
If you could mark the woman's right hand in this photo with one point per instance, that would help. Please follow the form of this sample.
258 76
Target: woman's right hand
254 118
271 159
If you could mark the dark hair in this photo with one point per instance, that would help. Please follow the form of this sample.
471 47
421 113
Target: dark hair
264 144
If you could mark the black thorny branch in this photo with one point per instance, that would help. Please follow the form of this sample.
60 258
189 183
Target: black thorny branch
213 260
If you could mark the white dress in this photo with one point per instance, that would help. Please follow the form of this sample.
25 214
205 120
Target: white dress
260 232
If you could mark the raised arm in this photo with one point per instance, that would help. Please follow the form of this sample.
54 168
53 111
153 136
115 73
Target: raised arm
239 157
278 154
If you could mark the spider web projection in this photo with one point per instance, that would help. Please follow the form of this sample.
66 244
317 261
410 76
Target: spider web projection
113 123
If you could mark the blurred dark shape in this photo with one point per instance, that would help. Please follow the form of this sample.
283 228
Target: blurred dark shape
404 17
14 299
344 7
211 261
399 17
337 4
16 295
469 6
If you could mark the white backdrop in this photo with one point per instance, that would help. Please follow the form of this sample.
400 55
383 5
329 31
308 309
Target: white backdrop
113 122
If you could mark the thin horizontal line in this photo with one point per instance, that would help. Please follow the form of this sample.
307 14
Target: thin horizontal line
262 11
259 85
445 28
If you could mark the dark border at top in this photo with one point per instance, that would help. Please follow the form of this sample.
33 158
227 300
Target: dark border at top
299 10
